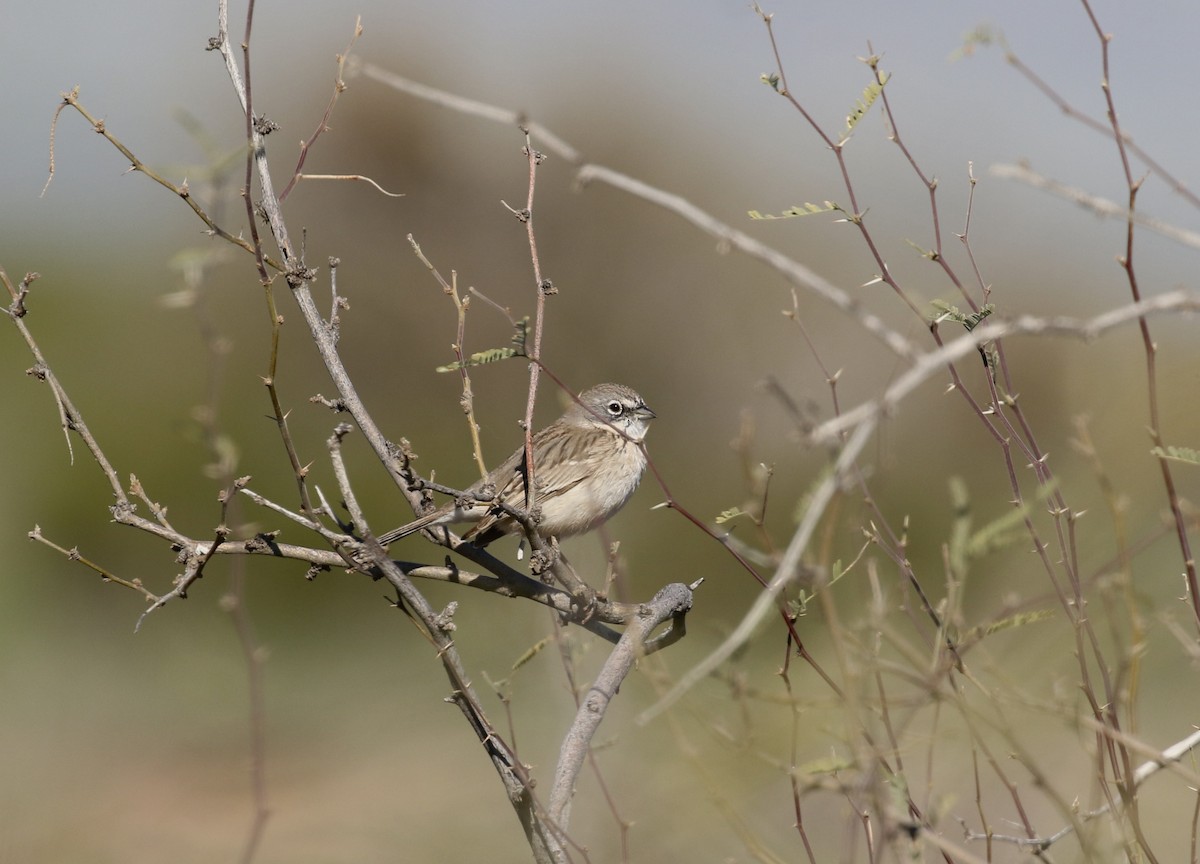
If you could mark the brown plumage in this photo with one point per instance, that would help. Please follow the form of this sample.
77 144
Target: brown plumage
586 465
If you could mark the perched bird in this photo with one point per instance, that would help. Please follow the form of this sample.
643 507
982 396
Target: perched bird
586 465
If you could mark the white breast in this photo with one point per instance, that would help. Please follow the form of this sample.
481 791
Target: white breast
592 502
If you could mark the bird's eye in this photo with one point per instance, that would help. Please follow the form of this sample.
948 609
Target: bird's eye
615 408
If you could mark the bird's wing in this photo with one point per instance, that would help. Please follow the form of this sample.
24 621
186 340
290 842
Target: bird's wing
559 476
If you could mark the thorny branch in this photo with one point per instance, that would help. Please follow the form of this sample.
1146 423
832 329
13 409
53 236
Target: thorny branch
347 551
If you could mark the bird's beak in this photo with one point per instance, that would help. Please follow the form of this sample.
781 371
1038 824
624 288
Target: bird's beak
644 411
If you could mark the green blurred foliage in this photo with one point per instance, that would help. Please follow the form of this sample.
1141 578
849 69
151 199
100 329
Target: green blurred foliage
132 747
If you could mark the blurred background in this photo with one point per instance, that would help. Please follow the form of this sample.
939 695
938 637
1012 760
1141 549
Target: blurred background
132 747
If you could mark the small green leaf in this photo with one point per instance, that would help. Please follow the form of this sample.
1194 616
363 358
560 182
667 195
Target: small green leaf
960 530
983 36
1021 619
731 513
969 320
520 334
949 312
493 355
976 318
1008 529
1178 454
795 210
530 653
863 105
922 251
831 764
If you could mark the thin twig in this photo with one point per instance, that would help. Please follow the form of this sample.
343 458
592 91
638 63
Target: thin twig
461 305
727 237
339 86
1150 348
933 362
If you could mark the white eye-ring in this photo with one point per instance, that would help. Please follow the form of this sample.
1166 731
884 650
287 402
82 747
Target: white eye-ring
615 408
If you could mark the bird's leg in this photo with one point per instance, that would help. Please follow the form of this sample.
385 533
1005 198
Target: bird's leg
583 597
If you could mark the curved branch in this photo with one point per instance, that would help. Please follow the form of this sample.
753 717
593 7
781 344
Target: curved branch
673 601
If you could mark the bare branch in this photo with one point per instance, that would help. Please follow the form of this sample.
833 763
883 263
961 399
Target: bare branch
727 237
672 601
934 362
1100 206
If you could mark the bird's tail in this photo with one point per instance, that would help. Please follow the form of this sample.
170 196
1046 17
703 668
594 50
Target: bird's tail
426 521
